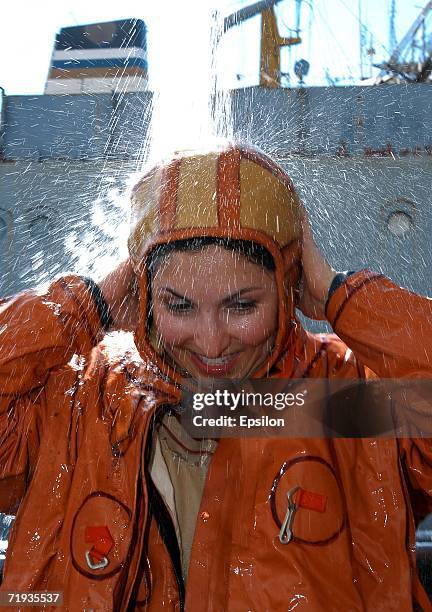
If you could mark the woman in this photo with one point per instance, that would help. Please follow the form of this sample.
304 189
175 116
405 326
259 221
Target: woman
117 506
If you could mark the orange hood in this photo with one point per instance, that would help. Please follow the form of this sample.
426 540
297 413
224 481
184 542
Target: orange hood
234 192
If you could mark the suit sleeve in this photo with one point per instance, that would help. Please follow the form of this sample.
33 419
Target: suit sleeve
388 328
39 331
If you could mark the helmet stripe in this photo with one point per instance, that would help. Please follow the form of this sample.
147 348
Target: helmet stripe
168 197
228 189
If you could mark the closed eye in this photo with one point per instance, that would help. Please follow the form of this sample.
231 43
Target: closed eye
242 306
179 307
175 302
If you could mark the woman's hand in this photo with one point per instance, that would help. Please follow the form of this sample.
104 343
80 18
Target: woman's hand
317 276
120 292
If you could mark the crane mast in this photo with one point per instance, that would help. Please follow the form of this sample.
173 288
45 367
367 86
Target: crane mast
271 41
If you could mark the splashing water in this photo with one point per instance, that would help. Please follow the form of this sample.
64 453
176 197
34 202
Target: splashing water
188 111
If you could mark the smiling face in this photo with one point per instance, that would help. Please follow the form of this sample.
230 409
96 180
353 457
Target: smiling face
215 312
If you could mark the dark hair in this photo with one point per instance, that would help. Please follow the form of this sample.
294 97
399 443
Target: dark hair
253 251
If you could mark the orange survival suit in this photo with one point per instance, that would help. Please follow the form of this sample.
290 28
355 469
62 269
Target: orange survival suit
77 415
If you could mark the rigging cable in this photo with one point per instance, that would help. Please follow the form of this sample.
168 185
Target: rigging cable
392 27
348 8
342 50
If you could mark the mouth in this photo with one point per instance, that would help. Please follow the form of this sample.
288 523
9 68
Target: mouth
218 366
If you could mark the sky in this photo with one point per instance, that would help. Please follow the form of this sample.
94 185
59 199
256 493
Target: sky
329 29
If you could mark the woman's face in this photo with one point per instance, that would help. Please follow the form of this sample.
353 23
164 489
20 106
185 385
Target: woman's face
215 312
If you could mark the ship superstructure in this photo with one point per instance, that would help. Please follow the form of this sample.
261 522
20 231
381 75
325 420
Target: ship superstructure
99 57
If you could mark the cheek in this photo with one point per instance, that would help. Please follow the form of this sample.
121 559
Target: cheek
254 329
172 330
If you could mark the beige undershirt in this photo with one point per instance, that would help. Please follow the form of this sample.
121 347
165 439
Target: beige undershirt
179 475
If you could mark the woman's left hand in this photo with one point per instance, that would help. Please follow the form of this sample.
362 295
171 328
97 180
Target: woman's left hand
317 276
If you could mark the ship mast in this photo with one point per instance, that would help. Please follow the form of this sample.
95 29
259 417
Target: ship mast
401 68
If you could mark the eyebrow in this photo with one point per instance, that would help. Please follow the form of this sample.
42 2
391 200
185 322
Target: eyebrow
175 294
238 294
230 298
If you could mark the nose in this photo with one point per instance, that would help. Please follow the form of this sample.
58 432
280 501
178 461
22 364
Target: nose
211 336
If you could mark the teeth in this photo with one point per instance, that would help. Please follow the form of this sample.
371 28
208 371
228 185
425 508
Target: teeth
217 361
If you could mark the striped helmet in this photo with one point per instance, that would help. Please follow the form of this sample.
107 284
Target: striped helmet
234 192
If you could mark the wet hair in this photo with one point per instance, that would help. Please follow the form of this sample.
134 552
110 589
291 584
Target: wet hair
253 251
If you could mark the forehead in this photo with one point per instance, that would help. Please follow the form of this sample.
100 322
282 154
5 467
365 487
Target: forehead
211 267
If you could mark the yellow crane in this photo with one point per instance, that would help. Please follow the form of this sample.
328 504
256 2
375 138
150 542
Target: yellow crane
271 41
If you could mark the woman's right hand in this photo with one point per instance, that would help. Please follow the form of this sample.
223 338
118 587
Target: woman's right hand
120 291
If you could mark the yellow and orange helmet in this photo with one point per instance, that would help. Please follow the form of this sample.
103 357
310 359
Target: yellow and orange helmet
235 192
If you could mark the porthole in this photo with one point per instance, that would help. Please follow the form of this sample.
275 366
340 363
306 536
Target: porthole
399 223
38 224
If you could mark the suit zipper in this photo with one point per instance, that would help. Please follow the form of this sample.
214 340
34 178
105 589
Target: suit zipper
158 509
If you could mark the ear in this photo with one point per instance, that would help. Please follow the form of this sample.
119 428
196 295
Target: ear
291 254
